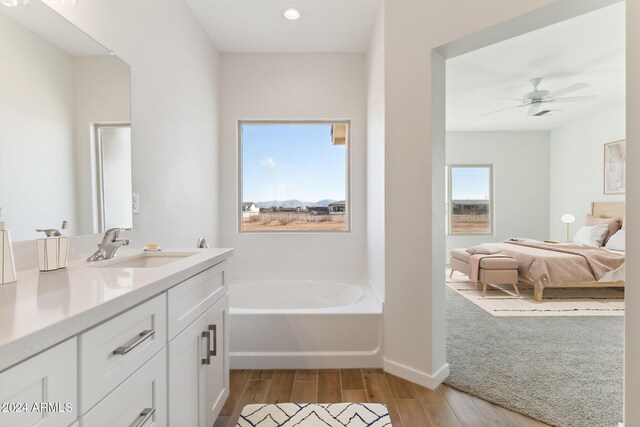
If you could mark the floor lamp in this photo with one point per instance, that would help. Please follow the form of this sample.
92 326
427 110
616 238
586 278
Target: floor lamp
567 219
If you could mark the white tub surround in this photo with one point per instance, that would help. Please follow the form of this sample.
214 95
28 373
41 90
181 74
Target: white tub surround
305 324
292 295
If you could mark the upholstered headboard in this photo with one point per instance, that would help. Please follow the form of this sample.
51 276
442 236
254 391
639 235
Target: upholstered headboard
608 209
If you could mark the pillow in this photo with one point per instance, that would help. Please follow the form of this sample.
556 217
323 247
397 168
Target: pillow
614 225
616 242
591 235
482 250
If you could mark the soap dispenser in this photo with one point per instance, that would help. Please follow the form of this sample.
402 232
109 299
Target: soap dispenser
53 250
7 264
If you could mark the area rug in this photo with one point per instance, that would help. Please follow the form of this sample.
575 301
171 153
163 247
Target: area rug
315 415
565 371
502 301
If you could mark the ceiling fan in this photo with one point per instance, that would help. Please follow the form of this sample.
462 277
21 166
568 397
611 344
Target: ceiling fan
536 99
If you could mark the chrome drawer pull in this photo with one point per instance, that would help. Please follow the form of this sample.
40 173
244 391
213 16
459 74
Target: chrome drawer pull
207 336
213 329
145 414
136 342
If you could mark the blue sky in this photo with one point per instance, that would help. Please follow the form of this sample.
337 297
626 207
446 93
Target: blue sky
283 162
470 183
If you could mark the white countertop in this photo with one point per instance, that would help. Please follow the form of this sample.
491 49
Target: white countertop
44 309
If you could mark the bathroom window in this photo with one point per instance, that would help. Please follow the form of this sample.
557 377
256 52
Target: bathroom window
294 176
469 199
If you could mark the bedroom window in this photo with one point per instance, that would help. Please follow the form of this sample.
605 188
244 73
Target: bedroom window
294 176
469 199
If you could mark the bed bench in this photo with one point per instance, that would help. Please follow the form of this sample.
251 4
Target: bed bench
493 271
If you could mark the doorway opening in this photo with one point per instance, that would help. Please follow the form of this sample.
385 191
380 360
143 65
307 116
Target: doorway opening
529 320
113 176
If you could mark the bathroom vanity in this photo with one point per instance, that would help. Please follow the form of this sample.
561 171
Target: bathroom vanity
140 340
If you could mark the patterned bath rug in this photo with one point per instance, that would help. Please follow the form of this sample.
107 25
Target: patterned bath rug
315 415
502 301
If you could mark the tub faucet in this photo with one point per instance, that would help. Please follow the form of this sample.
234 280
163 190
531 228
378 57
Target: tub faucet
110 244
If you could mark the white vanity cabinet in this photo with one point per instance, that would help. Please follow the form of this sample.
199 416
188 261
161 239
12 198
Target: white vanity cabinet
161 361
198 355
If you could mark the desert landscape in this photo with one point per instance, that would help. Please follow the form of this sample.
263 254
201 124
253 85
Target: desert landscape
468 224
293 221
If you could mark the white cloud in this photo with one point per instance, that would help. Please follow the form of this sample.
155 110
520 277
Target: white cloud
268 162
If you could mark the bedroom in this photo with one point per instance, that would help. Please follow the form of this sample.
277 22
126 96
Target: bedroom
516 170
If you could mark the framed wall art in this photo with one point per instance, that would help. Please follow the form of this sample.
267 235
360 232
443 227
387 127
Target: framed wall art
615 156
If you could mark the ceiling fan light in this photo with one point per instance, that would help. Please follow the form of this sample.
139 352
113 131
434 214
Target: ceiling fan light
15 3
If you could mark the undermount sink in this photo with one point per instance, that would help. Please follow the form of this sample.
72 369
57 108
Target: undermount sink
144 260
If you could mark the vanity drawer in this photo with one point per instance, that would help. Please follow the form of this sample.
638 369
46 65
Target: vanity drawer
139 401
112 351
189 299
50 377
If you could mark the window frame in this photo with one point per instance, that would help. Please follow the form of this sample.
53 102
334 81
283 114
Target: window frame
240 173
449 191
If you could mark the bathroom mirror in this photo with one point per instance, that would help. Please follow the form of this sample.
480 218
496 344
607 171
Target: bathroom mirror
65 127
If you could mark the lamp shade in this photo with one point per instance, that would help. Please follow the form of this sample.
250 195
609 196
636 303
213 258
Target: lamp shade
567 218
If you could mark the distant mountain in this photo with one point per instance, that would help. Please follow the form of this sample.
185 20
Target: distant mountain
325 202
294 203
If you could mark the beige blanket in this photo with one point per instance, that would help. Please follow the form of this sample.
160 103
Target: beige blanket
558 263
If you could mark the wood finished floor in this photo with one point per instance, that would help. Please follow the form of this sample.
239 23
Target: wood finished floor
410 405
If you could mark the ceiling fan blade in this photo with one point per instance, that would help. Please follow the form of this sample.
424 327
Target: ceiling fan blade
567 89
572 98
534 109
504 109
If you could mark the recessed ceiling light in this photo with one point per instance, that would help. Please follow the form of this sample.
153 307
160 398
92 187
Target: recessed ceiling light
292 14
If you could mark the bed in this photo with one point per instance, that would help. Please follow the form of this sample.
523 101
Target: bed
557 265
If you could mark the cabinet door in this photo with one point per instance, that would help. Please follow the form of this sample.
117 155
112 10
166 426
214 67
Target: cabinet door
217 371
186 376
112 351
190 299
141 400
42 391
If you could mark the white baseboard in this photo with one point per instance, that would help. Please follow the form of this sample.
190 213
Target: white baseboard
421 378
305 360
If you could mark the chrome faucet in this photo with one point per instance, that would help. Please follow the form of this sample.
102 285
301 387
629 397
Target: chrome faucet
110 244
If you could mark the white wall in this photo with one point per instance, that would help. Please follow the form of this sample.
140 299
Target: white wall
293 86
375 155
36 118
577 167
632 293
521 181
102 95
414 158
174 109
